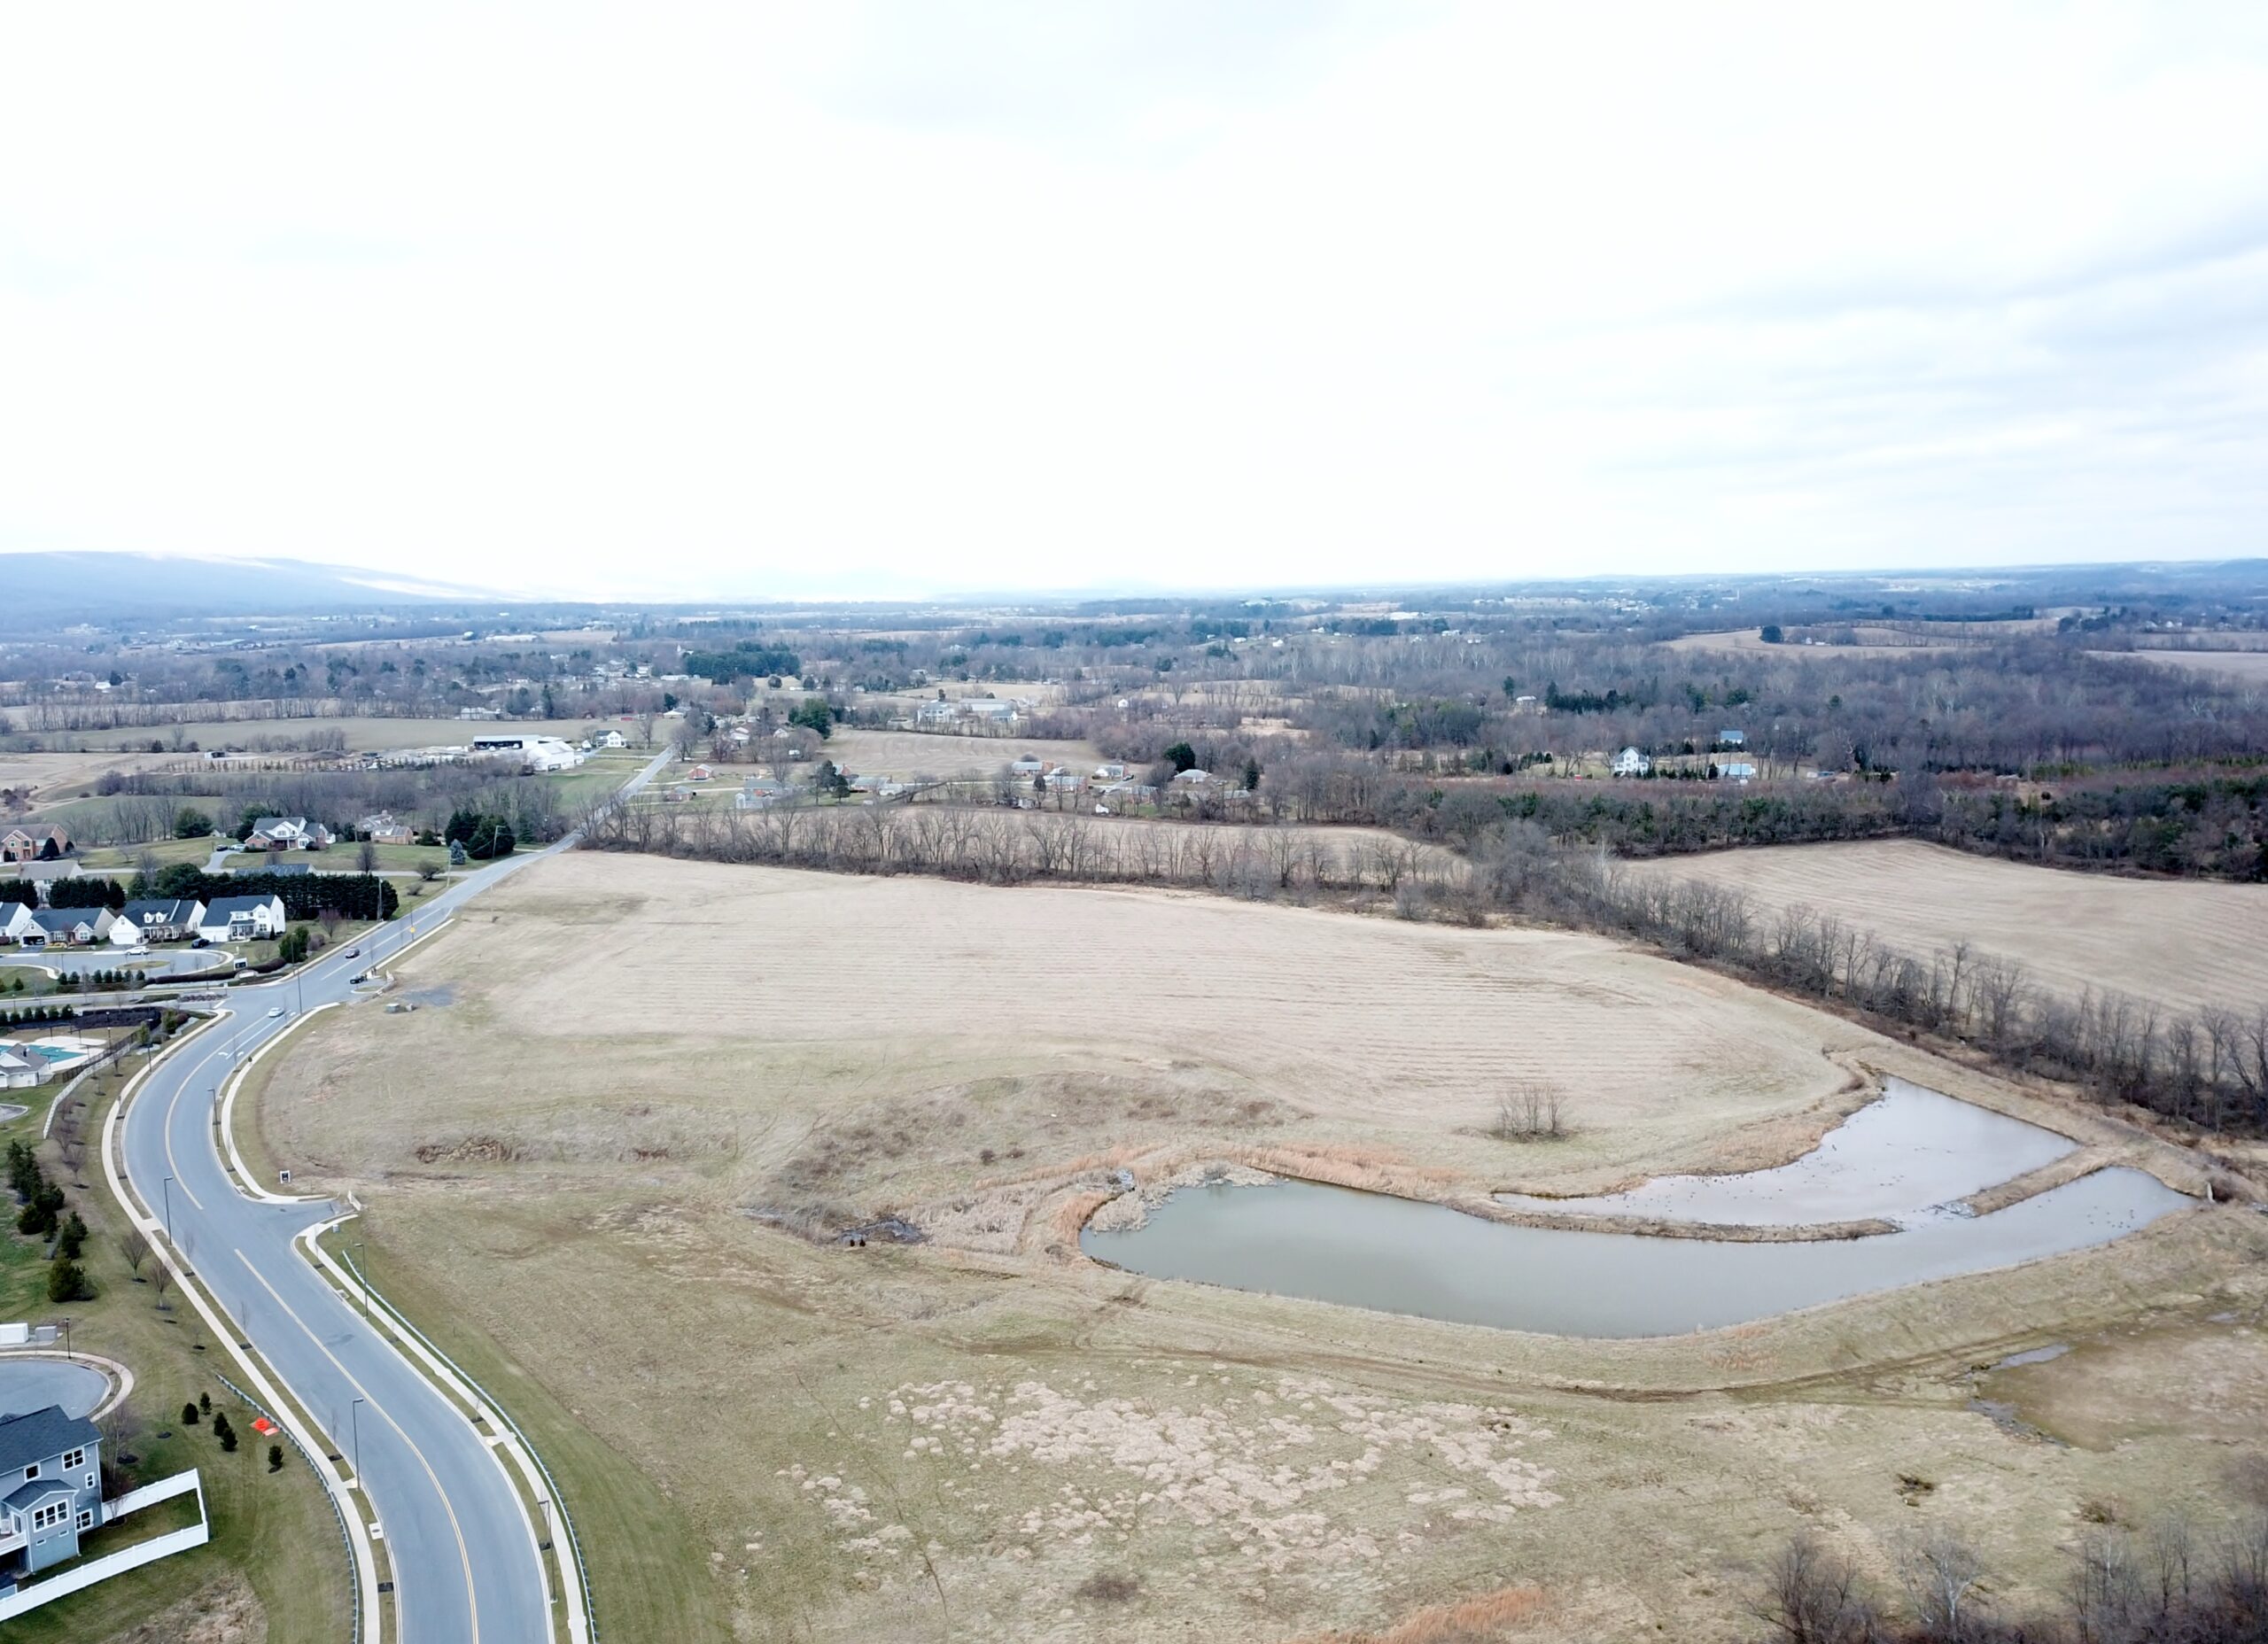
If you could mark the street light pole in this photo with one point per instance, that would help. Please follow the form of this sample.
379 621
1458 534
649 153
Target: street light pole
354 1415
168 1186
362 1272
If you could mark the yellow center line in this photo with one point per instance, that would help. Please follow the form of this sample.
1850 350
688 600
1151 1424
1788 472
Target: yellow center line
472 1602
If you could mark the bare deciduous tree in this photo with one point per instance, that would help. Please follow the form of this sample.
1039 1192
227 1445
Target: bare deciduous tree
1529 1111
1813 1597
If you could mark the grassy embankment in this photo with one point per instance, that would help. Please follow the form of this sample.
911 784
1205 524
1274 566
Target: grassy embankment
272 1532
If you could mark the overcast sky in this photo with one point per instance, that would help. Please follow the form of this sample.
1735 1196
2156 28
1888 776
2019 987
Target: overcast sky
907 298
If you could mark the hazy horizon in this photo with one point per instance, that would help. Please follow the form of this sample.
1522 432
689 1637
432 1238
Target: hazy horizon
896 301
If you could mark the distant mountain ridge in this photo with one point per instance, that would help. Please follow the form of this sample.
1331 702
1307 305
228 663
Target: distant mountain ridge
60 590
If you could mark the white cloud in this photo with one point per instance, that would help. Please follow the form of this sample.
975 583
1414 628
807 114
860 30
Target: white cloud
914 298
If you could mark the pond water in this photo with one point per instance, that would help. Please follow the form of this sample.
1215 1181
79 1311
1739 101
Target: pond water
1901 1158
1367 1250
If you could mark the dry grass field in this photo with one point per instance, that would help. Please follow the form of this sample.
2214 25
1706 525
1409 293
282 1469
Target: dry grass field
624 1066
48 778
1750 642
907 756
362 735
2229 667
2181 944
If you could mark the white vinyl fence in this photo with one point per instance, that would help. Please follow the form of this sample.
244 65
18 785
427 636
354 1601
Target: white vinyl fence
126 1558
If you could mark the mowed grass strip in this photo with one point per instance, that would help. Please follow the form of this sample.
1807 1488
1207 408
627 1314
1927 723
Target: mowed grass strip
275 1531
650 1579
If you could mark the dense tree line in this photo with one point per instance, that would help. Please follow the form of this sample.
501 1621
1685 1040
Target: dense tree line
1009 846
2208 1066
149 805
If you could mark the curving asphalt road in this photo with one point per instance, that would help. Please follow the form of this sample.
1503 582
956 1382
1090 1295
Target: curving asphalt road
466 1567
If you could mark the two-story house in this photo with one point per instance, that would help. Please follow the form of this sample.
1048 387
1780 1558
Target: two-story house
34 841
242 919
165 919
287 833
50 1466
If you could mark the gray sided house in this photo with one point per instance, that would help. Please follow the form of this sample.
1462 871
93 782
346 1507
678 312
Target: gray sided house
76 927
50 1466
15 920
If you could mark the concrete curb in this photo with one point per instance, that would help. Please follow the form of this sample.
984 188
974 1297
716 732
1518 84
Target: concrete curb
122 1379
229 1155
365 1556
400 1333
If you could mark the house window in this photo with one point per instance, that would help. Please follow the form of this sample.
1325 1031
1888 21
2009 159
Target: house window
73 1458
47 1517
32 1471
87 1519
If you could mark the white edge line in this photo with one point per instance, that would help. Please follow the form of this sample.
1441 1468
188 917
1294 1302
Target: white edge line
246 1183
317 1452
504 1440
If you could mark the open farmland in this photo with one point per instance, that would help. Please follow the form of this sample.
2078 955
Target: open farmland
907 756
364 734
1750 642
624 1068
2181 944
2229 667
47 777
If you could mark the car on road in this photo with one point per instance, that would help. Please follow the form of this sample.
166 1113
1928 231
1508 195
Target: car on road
353 953
277 1011
138 952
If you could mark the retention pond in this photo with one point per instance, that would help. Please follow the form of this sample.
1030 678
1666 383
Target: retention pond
1369 1249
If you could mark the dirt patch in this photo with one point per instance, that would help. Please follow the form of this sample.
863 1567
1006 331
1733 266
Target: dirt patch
225 1612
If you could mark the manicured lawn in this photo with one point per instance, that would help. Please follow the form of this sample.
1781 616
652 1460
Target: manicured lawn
118 859
35 981
598 775
275 1528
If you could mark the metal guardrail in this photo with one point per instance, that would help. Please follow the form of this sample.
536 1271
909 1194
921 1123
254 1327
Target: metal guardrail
574 1542
354 1588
